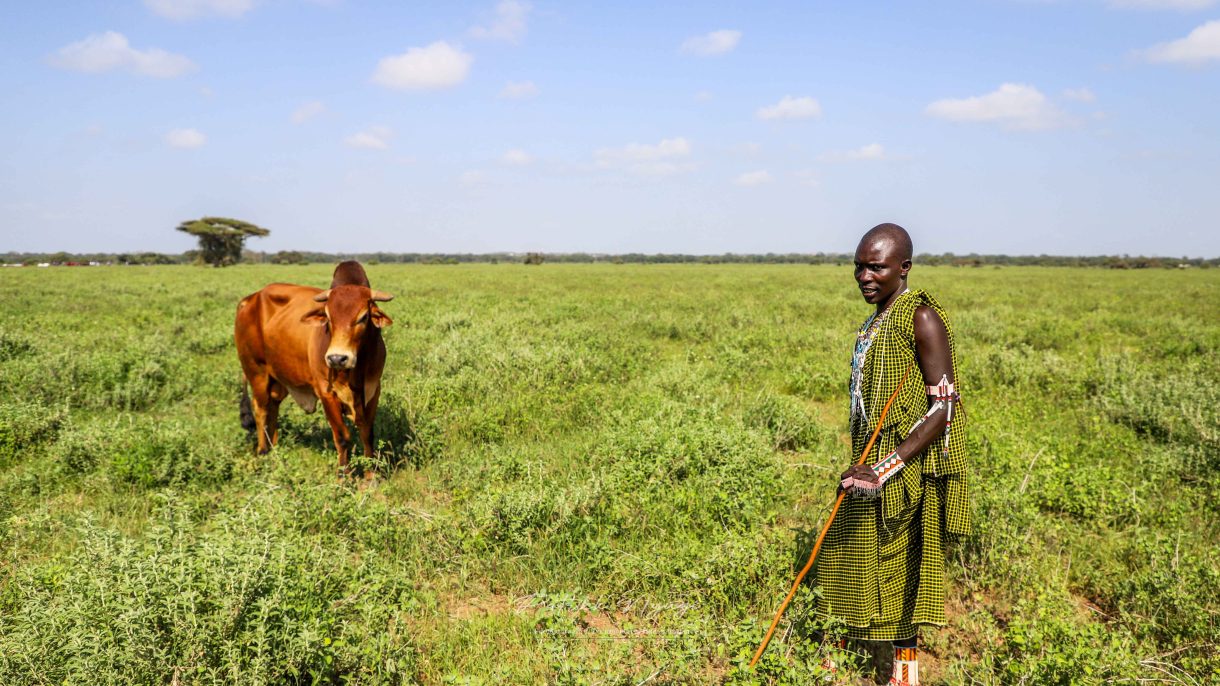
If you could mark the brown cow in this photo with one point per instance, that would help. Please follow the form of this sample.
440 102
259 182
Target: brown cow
314 344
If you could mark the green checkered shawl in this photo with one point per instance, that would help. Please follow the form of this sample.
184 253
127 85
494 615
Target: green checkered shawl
890 355
882 567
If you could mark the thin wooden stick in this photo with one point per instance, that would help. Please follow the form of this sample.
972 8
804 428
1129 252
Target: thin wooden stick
818 545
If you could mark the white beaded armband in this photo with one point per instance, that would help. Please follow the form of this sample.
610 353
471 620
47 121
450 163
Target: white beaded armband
944 395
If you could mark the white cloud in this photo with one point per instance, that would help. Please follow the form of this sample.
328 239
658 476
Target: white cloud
714 43
1199 46
808 177
1079 94
667 157
439 65
110 50
181 10
1162 4
870 152
509 23
754 178
472 177
637 152
791 108
308 111
704 96
661 168
516 157
519 90
185 138
1012 106
372 138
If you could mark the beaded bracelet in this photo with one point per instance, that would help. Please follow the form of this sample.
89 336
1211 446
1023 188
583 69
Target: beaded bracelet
885 469
889 466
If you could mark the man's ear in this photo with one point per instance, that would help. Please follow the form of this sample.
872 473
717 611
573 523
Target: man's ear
316 317
380 319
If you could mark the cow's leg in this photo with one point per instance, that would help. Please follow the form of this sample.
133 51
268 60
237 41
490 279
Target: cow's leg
260 399
360 419
366 427
364 424
275 395
333 408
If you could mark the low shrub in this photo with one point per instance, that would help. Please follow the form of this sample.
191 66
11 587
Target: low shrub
522 517
1170 592
1049 644
117 379
13 346
238 601
406 433
1178 409
785 418
171 455
144 453
691 469
25 424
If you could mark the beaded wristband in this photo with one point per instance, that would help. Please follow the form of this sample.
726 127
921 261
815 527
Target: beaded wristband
889 466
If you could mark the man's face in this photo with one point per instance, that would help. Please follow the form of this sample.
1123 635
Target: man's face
879 270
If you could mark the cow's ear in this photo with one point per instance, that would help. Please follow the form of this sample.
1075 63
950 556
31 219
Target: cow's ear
380 319
316 317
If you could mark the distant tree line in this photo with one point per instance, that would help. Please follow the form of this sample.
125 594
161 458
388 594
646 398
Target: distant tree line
307 257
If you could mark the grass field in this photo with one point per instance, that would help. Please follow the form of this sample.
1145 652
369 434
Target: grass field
592 474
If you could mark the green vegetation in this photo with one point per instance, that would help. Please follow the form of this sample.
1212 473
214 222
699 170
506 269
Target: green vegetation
592 474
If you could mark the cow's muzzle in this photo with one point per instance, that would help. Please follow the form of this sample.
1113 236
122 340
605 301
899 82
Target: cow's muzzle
340 361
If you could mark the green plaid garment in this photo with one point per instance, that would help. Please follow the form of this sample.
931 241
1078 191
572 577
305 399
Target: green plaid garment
882 566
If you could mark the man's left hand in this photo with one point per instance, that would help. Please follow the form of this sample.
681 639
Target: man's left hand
859 480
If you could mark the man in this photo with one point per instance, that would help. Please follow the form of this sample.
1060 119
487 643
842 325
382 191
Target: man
882 571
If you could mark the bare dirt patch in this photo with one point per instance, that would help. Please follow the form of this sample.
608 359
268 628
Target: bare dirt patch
484 605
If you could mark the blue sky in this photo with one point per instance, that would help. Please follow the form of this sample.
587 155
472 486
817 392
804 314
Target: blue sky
1014 126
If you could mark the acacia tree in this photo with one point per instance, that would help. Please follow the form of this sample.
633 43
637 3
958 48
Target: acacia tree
221 239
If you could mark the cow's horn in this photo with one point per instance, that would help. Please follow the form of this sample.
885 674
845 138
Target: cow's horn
321 297
381 297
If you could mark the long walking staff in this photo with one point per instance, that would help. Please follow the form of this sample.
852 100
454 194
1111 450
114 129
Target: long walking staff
818 545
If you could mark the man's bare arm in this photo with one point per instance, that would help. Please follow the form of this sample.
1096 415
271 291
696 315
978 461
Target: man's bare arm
936 364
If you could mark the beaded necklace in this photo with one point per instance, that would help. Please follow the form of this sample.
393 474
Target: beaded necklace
864 339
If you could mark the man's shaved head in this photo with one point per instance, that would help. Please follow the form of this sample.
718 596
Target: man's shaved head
890 233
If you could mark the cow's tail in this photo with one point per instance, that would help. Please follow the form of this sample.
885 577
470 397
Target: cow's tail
246 411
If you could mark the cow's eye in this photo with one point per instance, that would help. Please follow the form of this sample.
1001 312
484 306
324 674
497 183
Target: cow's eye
363 318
